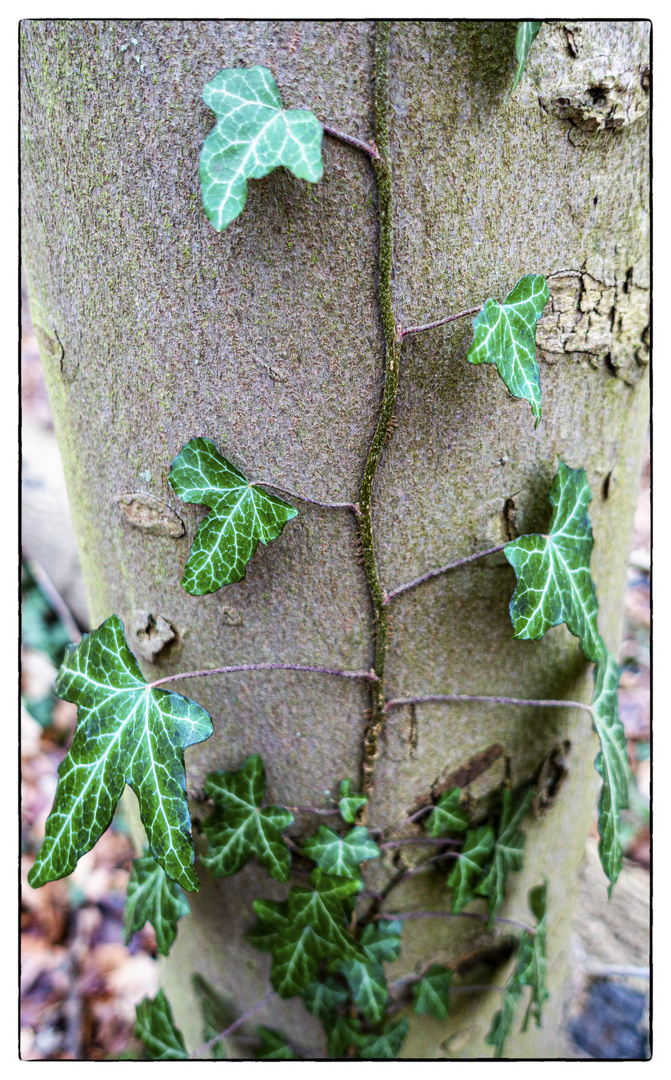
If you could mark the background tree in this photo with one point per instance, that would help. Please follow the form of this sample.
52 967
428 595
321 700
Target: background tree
267 339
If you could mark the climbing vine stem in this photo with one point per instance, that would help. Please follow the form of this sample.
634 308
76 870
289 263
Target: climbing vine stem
383 175
442 570
395 703
268 666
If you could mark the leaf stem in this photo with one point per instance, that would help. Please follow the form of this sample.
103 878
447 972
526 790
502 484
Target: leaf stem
370 676
487 699
367 148
382 168
306 498
459 915
403 331
233 1027
417 840
442 570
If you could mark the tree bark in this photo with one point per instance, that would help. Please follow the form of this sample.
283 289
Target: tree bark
267 340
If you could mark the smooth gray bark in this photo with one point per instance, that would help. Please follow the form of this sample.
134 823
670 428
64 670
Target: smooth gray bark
266 339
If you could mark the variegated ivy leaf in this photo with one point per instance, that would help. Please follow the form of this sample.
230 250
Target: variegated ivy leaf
612 765
432 992
554 583
526 32
253 135
324 998
152 897
508 849
274 1047
309 926
448 816
127 733
155 1026
239 828
341 855
529 971
350 803
468 868
387 1045
382 939
241 515
505 335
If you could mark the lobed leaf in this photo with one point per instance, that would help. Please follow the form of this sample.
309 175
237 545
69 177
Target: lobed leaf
387 1045
468 868
350 803
382 939
508 849
526 33
152 897
368 985
341 855
612 765
239 828
448 816
274 1047
127 732
253 135
155 1026
432 992
345 1032
324 998
217 1013
241 515
505 335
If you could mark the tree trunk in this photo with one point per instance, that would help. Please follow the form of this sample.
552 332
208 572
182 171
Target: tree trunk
267 339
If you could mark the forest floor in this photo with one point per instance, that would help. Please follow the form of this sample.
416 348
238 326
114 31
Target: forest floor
80 982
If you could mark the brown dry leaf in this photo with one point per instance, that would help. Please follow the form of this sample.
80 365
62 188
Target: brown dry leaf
44 911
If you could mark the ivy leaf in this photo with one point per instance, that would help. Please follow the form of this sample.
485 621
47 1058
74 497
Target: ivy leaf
155 1026
467 872
432 992
508 853
324 999
382 939
448 816
127 732
238 828
502 1020
309 926
218 1015
611 764
350 803
387 1046
341 855
368 985
526 32
505 335
253 135
242 514
152 897
554 583
274 1047
345 1032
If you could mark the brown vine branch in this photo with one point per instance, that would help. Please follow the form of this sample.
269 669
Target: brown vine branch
236 1024
403 331
306 498
442 570
370 676
453 915
417 840
488 699
368 148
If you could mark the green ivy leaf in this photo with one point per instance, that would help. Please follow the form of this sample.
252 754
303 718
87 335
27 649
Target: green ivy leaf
242 514
554 583
155 1026
368 986
217 1013
530 971
350 803
274 1047
468 868
386 1046
127 732
505 335
341 855
611 764
152 897
448 816
526 32
432 992
309 926
508 849
238 828
345 1032
324 998
382 939
253 135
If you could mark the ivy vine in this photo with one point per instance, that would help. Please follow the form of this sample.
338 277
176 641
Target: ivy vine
328 939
